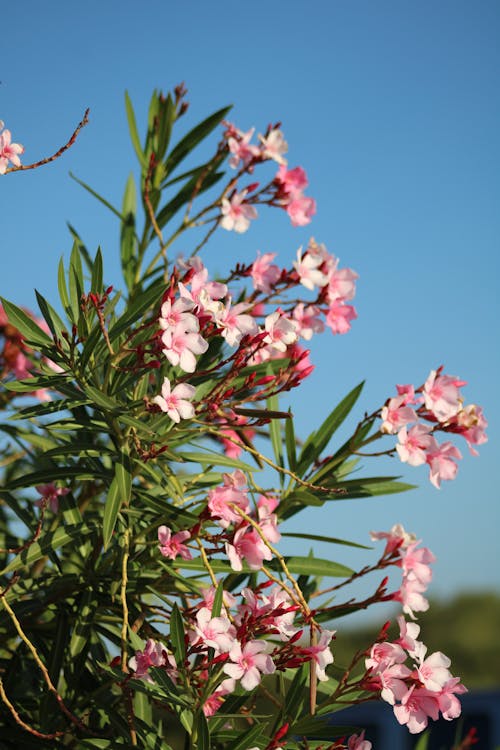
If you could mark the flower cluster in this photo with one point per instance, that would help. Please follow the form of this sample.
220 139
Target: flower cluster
249 636
9 152
429 687
286 190
437 405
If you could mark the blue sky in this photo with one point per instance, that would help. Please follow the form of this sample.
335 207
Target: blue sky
392 108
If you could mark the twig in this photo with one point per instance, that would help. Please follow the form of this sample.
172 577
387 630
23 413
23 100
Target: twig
18 720
60 152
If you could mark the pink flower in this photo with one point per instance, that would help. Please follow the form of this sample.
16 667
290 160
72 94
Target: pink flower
339 317
342 284
441 395
292 181
471 424
242 149
172 546
415 563
176 402
358 742
396 537
408 634
50 495
307 320
178 313
154 655
234 323
414 444
214 632
249 663
215 701
180 347
301 210
247 545
222 499
321 654
410 596
236 214
8 151
416 706
264 273
449 705
274 146
281 331
441 463
433 672
396 415
308 268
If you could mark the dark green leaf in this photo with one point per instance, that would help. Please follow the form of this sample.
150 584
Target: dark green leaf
318 440
134 135
96 195
97 273
177 635
329 539
195 136
27 327
314 566
49 542
202 732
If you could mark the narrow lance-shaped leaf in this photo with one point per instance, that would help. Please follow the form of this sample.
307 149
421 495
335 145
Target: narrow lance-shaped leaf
177 635
27 327
318 440
194 137
134 135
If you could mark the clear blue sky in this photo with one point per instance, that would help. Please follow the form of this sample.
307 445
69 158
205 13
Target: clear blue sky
392 107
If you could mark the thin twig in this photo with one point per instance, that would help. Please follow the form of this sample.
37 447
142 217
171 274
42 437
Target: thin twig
60 152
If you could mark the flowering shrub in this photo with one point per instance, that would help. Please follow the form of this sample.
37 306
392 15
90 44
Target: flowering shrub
145 602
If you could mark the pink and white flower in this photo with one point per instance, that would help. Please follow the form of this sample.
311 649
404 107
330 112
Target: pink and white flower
181 346
281 331
176 402
50 495
414 444
274 146
236 213
442 396
9 152
249 663
264 272
172 546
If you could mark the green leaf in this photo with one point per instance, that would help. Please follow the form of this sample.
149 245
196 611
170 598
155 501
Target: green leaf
370 487
329 539
50 542
128 237
52 319
214 459
290 443
134 135
96 195
141 302
102 400
63 291
318 440
177 635
202 732
314 566
218 599
96 284
248 738
111 508
294 696
275 432
195 136
27 327
423 741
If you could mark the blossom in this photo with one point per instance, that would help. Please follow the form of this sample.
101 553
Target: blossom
358 742
249 663
414 444
308 270
154 655
50 495
307 320
274 146
178 312
235 323
396 538
214 632
416 706
433 671
264 273
172 546
449 705
236 214
471 423
339 317
441 395
8 151
281 331
247 545
223 500
321 654
215 701
342 284
301 210
441 463
242 149
415 563
395 414
176 402
180 346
